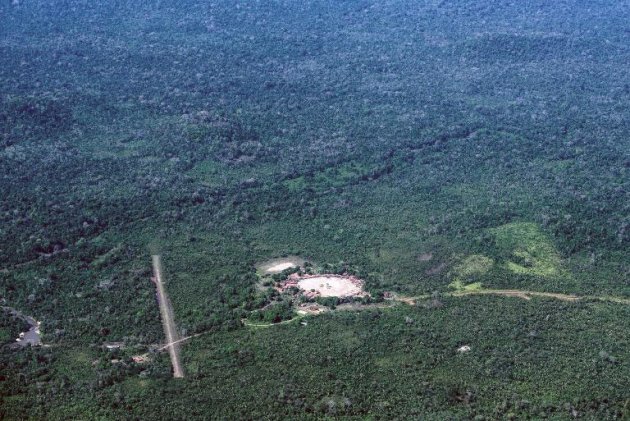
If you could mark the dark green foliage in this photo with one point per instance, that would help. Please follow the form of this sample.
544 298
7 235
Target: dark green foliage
33 118
10 327
393 363
412 144
273 313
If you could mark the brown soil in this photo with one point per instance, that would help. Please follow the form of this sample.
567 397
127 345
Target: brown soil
325 285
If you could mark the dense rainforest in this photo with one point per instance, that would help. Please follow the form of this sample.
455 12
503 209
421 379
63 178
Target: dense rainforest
434 149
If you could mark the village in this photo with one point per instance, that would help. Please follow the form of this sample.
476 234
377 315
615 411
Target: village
327 285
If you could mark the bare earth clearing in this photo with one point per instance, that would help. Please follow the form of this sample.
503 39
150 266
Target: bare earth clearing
278 265
323 285
331 286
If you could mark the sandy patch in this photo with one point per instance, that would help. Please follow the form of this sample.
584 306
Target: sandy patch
331 285
278 265
310 309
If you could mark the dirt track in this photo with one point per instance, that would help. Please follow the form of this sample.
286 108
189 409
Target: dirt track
523 294
526 295
166 310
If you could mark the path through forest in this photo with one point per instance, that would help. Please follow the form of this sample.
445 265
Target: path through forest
166 310
172 341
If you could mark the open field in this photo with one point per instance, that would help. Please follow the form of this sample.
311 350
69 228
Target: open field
280 264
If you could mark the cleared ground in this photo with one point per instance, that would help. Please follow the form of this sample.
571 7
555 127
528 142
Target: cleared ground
278 265
166 310
331 286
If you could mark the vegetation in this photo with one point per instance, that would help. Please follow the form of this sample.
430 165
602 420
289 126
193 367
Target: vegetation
426 147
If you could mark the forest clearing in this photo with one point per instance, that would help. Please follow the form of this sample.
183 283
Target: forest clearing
305 284
166 311
278 265
305 310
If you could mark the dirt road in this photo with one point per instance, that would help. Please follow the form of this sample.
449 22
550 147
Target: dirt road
31 337
166 310
524 294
